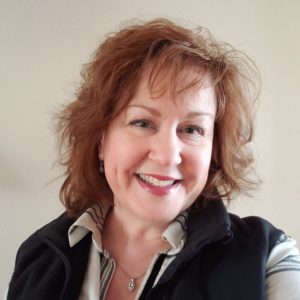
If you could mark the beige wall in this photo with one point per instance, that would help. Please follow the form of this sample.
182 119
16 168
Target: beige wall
43 45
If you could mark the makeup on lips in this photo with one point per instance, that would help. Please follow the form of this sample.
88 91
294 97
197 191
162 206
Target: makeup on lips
157 184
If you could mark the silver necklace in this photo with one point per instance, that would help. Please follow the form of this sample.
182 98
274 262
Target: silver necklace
132 280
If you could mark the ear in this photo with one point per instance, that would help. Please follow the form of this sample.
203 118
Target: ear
100 147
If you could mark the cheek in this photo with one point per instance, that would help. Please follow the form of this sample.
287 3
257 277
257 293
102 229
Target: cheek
199 173
197 177
199 161
122 154
196 173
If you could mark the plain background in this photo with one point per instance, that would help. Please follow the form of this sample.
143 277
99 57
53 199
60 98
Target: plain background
45 43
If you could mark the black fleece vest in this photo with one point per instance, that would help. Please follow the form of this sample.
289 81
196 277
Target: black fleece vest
224 258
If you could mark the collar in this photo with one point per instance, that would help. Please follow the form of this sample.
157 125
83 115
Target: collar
93 218
210 223
206 225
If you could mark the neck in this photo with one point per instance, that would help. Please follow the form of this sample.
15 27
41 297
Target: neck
132 244
122 226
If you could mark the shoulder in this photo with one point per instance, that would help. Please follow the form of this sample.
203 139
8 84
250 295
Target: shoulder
254 225
57 228
256 230
283 271
56 231
44 241
44 255
47 267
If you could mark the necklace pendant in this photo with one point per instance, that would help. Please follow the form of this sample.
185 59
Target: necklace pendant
131 285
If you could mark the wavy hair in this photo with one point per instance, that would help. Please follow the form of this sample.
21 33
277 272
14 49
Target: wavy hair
109 81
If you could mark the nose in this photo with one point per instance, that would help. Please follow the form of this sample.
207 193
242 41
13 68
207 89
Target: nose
165 149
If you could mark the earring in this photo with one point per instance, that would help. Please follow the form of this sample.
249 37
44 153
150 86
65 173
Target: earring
101 167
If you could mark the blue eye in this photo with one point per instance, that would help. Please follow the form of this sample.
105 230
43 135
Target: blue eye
140 123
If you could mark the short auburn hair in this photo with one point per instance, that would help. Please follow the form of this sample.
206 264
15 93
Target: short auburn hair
109 81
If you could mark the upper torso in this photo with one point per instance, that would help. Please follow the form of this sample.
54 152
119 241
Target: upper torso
223 257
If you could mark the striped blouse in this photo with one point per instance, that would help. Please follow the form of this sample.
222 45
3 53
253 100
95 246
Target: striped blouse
282 273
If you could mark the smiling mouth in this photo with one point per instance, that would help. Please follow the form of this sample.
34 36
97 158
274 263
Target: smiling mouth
155 181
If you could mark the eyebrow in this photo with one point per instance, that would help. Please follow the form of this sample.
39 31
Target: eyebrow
200 113
156 113
153 111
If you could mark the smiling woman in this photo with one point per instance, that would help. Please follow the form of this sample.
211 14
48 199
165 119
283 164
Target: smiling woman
157 152
156 138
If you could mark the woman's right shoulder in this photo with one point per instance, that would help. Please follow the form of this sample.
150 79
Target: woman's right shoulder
41 256
55 231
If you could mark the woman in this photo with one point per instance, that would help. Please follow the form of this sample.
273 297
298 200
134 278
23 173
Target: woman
157 136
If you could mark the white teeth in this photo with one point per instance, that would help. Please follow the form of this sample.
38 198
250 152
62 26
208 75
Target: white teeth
154 181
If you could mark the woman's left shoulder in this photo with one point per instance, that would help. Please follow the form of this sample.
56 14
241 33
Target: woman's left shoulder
258 229
283 271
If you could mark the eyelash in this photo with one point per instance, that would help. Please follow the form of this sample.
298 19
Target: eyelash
140 123
197 130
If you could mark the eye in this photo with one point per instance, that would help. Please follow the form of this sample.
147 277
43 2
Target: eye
192 130
140 123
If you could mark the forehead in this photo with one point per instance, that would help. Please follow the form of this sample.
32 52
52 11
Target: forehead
190 92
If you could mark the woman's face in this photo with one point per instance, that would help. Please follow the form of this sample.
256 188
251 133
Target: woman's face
157 153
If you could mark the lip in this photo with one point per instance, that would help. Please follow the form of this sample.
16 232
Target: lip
158 190
160 177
